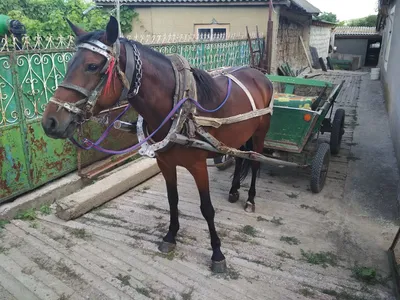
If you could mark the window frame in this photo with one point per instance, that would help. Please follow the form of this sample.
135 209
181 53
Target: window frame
211 27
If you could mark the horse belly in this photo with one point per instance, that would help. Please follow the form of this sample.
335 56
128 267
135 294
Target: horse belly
236 135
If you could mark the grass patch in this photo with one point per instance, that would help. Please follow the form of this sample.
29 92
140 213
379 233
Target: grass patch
3 250
241 238
34 224
188 295
124 279
26 215
249 230
143 291
261 219
292 195
284 254
321 258
277 221
291 240
230 274
313 208
45 210
365 274
64 269
306 292
63 297
80 233
3 224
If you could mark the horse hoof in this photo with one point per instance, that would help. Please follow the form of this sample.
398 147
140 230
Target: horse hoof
233 197
250 207
218 266
166 247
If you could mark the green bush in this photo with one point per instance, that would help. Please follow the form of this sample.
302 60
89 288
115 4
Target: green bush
47 17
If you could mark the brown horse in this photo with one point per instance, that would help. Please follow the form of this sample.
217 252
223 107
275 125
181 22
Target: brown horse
153 101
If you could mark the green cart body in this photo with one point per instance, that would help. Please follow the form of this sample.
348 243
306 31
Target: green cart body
297 122
302 110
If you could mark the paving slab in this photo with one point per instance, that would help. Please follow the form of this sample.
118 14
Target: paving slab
111 252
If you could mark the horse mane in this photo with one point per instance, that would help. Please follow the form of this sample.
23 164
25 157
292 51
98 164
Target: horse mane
207 89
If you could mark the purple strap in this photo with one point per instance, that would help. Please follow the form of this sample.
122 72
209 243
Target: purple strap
96 146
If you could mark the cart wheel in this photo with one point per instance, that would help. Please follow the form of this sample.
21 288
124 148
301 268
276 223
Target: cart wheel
319 167
223 162
337 131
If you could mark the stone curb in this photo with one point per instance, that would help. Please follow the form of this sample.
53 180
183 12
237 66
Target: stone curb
77 204
45 195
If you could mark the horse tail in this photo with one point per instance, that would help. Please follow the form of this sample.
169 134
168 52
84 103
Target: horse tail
246 163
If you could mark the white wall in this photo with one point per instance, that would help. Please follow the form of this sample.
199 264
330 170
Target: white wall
319 38
389 63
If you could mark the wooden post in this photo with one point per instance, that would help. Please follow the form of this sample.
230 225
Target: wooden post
268 46
306 53
250 48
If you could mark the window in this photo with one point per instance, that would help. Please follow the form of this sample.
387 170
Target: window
210 32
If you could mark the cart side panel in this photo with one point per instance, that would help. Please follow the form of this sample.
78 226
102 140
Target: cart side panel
289 130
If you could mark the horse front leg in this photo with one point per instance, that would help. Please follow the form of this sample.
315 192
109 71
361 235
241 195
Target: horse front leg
200 174
168 243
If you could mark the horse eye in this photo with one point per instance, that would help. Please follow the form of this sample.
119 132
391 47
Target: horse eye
92 68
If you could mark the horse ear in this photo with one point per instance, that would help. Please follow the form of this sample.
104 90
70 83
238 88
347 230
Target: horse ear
76 29
112 30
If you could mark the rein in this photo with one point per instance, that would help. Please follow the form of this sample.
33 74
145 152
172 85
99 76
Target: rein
133 66
96 146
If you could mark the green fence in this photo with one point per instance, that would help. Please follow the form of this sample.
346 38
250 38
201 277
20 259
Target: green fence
28 78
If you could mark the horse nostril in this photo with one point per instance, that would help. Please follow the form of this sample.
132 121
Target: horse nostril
51 123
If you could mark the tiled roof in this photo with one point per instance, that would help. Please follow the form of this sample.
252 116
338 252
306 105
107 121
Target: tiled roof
307 6
302 4
357 31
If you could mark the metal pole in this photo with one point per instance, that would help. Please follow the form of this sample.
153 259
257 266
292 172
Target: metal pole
118 17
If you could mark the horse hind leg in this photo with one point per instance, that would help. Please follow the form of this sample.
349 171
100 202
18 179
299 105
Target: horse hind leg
257 146
234 191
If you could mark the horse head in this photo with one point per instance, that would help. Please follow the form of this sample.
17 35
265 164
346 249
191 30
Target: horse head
94 81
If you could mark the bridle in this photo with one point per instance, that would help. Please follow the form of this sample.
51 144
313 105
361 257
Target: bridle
133 66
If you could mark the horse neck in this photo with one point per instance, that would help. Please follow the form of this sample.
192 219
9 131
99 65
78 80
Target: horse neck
155 98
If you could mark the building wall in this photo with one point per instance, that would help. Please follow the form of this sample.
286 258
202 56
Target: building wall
319 38
390 74
289 47
182 20
352 46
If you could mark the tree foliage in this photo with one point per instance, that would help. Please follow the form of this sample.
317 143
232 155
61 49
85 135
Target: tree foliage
47 17
328 17
369 21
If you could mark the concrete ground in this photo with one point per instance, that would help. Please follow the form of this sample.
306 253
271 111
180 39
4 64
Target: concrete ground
297 245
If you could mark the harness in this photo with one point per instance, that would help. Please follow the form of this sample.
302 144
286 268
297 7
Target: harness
186 123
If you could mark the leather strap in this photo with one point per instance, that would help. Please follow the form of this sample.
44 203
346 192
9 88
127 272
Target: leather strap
241 85
129 68
76 88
